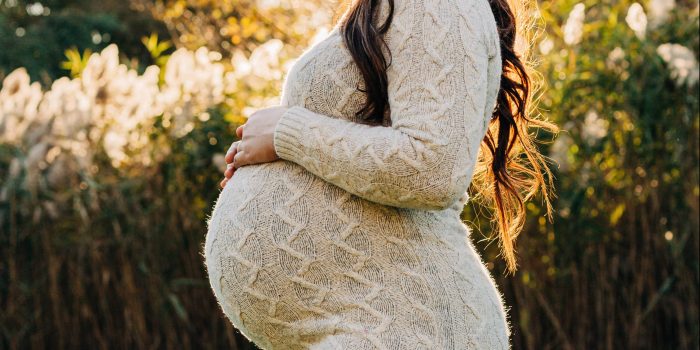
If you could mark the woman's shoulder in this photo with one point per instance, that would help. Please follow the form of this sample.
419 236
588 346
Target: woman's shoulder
464 8
471 20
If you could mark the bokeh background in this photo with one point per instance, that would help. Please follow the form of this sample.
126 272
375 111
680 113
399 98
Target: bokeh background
115 116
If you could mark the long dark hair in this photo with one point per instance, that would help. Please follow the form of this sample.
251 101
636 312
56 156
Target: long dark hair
505 191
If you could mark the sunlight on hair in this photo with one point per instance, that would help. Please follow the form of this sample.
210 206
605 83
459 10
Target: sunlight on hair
527 170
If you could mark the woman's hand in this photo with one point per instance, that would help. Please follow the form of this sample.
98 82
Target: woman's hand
256 143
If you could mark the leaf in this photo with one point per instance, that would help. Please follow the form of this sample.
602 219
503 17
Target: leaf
162 60
154 47
151 43
163 46
617 213
76 62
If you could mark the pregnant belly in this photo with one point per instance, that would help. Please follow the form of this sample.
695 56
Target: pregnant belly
282 205
287 252
279 235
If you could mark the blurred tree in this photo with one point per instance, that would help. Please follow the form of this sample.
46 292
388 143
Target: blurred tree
619 268
35 35
260 37
226 25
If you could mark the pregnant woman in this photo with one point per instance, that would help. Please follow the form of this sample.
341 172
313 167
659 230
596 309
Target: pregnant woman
339 226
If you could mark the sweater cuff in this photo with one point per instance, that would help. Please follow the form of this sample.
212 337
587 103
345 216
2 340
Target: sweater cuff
288 132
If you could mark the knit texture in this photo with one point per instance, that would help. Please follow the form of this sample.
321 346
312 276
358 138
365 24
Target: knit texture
353 240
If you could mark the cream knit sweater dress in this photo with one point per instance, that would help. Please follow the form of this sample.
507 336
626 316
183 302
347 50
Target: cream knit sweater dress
353 240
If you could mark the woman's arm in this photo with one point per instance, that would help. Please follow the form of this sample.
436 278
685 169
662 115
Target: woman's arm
437 93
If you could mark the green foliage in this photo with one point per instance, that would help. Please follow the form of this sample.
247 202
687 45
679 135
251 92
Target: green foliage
75 62
225 26
157 48
619 266
122 248
38 42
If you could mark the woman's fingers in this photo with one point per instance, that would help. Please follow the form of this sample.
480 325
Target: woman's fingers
239 159
229 171
232 157
232 152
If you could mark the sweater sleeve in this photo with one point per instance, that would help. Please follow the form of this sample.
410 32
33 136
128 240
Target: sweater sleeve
437 84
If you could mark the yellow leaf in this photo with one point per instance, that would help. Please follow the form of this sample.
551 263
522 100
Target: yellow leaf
617 213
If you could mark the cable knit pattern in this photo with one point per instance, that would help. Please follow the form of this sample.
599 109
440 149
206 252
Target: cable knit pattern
353 240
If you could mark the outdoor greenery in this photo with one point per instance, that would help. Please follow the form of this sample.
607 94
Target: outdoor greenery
619 266
35 34
115 116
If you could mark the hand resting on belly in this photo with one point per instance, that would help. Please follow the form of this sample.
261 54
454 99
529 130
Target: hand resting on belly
256 143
